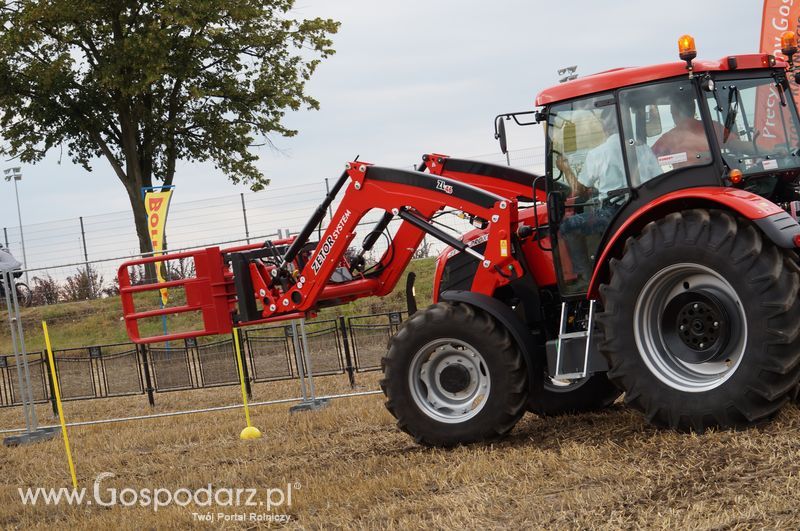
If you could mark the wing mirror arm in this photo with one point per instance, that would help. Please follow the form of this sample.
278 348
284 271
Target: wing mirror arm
500 126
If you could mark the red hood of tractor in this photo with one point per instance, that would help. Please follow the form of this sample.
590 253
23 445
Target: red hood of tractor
623 77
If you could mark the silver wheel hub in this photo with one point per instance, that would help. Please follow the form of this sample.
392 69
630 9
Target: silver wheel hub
690 327
449 380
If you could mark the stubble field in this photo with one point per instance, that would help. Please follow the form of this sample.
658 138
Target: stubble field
349 467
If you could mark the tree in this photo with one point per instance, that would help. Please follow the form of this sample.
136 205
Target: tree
146 83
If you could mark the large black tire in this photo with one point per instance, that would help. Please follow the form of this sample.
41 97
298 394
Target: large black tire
589 394
722 304
481 397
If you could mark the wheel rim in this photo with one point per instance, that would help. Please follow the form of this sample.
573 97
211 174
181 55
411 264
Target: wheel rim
563 386
24 294
449 380
690 327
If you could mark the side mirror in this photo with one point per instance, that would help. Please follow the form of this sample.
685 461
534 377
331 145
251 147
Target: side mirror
652 121
500 134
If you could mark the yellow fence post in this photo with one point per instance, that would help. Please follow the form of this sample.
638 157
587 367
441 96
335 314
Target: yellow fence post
58 403
250 432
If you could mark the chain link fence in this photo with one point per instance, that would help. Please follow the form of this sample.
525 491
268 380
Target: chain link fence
340 346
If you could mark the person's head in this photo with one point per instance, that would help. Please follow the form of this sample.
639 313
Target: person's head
608 120
682 108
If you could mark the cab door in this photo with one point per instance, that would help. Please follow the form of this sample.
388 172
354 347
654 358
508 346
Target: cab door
587 184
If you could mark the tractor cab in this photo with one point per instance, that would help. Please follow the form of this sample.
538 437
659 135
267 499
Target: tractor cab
619 140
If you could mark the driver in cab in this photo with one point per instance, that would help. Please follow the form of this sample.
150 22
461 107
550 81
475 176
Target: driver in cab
602 171
686 143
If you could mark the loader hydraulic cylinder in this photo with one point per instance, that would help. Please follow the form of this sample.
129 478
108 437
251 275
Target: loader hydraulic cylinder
437 233
302 238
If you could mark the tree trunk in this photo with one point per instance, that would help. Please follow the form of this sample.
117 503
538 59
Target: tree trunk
142 230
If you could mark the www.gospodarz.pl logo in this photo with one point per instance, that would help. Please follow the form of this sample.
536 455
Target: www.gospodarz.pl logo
268 500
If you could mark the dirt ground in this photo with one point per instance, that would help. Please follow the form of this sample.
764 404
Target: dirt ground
349 467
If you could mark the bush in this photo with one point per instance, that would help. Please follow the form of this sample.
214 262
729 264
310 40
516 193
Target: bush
178 269
46 290
85 284
425 249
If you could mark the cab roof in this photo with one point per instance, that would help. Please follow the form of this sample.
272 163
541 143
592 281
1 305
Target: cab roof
623 77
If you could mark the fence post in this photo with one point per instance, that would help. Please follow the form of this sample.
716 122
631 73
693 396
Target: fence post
327 192
141 349
244 215
244 347
86 258
351 373
192 352
5 400
5 235
52 389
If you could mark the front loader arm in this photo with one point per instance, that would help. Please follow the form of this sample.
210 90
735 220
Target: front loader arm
256 286
414 197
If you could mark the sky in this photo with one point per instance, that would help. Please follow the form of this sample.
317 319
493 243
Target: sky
417 76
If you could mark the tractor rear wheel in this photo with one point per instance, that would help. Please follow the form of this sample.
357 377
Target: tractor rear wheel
453 375
558 397
701 322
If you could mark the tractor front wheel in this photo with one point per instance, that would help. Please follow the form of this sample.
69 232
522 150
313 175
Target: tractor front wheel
453 375
701 320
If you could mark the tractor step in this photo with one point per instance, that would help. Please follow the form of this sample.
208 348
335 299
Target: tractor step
574 355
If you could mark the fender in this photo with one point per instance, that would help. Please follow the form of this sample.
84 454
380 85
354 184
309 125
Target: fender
774 222
531 351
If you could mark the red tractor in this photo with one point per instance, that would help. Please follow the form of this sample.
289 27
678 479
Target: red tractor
655 257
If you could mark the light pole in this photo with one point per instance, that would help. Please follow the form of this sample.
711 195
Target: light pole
15 174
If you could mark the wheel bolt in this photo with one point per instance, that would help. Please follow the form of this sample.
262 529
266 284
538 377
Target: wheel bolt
716 324
702 345
696 306
683 327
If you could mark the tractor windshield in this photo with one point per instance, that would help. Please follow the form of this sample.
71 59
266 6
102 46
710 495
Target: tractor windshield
756 124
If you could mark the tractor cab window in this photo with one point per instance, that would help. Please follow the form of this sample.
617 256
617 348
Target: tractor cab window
662 129
587 169
755 123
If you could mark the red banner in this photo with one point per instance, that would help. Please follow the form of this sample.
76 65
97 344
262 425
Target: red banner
778 16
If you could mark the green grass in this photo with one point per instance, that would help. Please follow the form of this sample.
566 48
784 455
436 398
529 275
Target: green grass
79 324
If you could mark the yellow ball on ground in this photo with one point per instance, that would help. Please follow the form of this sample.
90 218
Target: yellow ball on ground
249 433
